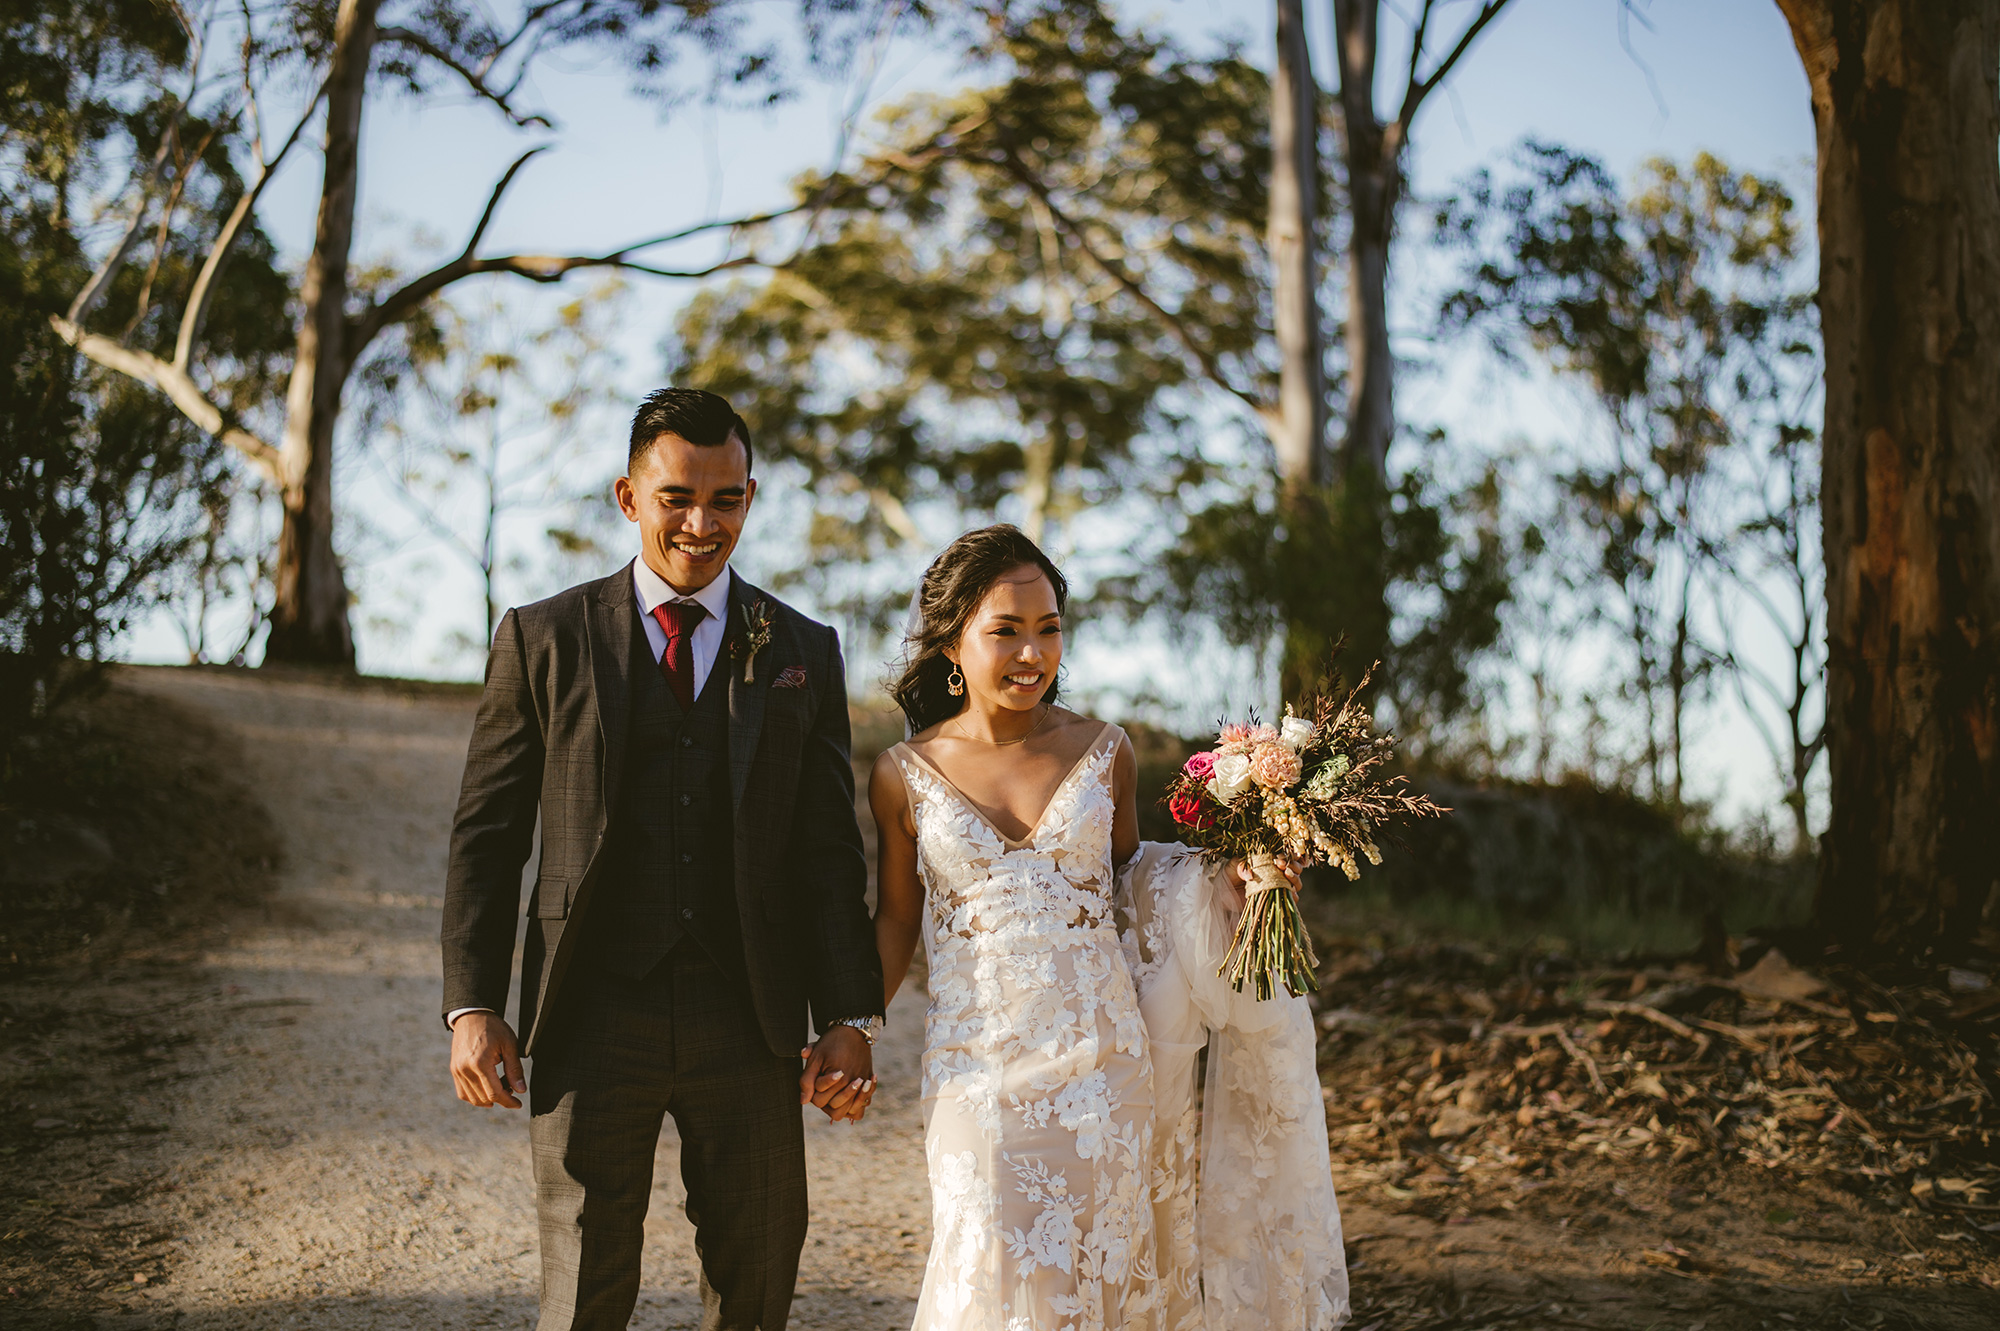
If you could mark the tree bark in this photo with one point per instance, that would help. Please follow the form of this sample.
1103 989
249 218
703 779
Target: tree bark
1374 159
1298 429
309 617
1908 119
1372 154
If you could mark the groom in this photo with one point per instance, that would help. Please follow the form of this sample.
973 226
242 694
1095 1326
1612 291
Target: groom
683 737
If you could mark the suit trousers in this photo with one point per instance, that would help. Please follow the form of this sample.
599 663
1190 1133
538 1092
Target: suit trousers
684 1041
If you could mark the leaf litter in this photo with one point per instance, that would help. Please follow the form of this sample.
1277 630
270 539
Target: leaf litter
1480 1088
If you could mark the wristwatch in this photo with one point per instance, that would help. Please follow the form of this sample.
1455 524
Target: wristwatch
870 1027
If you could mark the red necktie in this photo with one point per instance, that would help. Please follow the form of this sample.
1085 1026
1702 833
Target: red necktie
678 620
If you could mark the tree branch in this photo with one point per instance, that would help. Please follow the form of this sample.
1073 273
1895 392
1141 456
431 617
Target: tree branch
401 304
1116 271
1418 89
1417 45
181 390
100 281
473 78
200 294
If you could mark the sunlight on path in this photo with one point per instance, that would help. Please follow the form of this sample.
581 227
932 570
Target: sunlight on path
324 1173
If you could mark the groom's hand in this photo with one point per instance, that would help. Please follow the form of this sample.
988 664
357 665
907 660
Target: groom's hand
839 1076
481 1045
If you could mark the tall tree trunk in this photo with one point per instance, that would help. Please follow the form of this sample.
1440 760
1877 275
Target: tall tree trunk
309 617
1908 117
1299 426
1373 155
1374 159
1296 423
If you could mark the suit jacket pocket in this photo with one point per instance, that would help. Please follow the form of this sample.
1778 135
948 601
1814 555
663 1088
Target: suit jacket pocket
552 899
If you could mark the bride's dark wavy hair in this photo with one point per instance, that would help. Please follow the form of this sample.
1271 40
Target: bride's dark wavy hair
951 590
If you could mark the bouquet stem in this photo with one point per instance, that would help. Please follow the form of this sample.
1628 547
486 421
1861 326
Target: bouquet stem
1271 946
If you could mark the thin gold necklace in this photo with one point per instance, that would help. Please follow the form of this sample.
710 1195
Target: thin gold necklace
1003 743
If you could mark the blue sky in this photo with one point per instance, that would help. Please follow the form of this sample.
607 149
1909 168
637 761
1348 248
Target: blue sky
1717 75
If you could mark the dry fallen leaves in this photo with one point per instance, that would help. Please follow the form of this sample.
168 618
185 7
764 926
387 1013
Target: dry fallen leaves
1447 1066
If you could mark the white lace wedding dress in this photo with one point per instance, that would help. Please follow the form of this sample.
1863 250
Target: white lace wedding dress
1066 1009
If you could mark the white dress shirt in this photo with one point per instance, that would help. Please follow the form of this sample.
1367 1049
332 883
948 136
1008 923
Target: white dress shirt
652 590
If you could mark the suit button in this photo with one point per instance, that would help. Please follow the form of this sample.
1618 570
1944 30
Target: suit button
686 858
687 741
687 912
687 799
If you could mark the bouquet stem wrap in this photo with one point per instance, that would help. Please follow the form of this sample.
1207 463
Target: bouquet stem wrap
1272 946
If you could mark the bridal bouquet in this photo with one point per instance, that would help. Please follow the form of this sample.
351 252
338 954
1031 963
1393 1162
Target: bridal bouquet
1310 790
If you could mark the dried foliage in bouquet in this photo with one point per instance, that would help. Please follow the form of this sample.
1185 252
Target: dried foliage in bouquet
1310 790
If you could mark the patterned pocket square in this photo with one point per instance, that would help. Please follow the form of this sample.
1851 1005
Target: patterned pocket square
791 677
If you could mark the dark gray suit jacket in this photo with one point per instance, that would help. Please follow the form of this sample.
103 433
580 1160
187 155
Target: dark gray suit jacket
551 735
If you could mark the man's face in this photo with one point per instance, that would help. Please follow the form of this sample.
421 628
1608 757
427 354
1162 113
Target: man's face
690 503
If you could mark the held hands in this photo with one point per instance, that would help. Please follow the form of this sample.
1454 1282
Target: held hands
482 1048
1239 874
839 1075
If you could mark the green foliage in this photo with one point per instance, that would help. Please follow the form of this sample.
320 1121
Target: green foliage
103 486
956 331
1268 568
100 493
1678 309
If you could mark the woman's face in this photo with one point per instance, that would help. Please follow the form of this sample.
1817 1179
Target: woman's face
1013 643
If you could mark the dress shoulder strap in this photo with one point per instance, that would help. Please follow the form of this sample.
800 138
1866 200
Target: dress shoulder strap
904 756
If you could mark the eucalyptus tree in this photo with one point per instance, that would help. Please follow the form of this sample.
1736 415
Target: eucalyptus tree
1677 306
1906 105
1016 285
1057 285
227 95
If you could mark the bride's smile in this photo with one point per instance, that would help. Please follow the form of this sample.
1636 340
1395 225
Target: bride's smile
1009 654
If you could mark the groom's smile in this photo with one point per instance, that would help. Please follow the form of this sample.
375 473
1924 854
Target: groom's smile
690 502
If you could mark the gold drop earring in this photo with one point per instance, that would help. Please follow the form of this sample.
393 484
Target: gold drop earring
956 683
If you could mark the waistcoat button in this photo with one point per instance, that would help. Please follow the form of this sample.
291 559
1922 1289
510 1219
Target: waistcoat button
687 799
687 913
687 741
686 858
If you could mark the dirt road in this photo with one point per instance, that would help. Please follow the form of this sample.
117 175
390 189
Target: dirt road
322 1173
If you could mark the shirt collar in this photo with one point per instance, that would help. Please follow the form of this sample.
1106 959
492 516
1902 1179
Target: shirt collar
653 590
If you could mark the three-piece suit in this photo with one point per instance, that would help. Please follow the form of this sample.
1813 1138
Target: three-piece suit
701 887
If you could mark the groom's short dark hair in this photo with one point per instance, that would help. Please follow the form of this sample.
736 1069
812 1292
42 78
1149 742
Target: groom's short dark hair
702 418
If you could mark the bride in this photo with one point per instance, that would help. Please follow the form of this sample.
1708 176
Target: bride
1071 984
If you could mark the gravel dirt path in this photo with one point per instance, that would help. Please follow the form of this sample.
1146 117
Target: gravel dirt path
318 1167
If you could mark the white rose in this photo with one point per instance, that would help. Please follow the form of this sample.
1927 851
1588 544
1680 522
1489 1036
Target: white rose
1295 733
1230 778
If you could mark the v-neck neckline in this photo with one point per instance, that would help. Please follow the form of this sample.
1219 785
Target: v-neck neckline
978 810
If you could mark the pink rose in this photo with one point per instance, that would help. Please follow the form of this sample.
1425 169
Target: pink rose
1191 810
1200 767
1273 766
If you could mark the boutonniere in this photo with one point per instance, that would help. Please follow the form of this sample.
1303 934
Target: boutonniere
754 638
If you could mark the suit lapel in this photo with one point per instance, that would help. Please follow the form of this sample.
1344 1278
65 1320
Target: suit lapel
746 701
610 611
